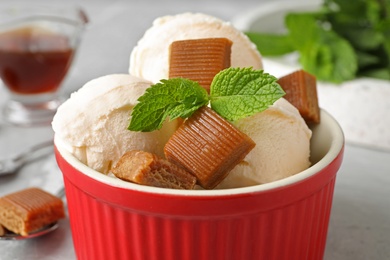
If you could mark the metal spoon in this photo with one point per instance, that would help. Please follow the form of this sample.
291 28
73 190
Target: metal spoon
13 164
43 231
38 233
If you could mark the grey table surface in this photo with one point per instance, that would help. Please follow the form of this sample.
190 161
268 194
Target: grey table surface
360 222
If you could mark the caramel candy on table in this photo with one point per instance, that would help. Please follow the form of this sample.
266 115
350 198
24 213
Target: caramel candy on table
149 169
29 210
208 146
301 91
199 59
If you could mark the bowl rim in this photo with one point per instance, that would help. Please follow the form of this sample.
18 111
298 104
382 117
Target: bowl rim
335 149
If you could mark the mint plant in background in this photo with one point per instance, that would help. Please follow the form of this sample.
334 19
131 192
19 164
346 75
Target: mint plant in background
340 41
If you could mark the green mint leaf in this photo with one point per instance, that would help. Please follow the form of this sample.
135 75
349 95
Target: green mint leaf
384 28
359 13
366 59
303 29
322 52
383 73
331 59
271 44
363 38
240 92
171 99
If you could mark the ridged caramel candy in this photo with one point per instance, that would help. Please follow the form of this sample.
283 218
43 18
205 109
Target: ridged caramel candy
149 169
28 210
199 59
208 146
2 230
301 91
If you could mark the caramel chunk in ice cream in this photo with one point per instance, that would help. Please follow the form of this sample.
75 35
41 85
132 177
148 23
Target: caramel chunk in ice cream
151 170
29 210
208 146
2 230
199 59
301 91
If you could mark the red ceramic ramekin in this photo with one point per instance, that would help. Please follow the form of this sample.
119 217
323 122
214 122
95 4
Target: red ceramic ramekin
286 219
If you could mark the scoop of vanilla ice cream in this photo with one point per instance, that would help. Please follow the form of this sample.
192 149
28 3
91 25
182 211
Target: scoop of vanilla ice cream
150 58
92 123
282 146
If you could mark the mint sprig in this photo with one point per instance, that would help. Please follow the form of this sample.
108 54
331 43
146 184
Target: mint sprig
234 93
338 42
322 52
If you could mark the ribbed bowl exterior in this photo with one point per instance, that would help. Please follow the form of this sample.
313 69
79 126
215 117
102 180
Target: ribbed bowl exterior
289 222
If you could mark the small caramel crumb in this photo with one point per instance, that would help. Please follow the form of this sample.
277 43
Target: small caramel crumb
149 169
199 59
208 146
30 209
301 91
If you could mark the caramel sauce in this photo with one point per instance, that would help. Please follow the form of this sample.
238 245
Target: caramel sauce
33 60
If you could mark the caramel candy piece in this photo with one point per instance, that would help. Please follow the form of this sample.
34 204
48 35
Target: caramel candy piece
28 210
301 91
2 231
149 169
208 146
200 59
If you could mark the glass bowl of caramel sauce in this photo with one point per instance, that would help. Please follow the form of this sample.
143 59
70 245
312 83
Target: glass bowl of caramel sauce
37 47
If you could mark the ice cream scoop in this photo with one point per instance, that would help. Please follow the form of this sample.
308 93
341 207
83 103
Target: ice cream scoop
282 146
150 58
93 122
